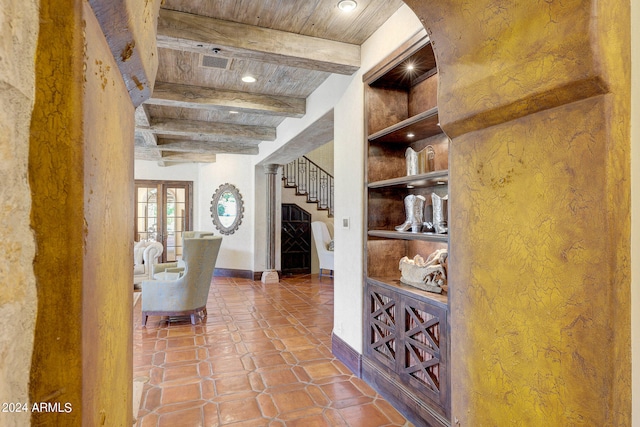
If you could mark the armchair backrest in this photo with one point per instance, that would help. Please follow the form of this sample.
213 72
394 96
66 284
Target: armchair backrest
199 256
320 235
151 254
192 234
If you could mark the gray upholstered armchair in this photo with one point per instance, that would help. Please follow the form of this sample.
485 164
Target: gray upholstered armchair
191 234
187 294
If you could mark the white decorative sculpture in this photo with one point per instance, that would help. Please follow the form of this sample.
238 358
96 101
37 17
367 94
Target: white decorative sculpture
429 275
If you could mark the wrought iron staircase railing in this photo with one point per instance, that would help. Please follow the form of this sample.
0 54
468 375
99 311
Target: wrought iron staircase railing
310 180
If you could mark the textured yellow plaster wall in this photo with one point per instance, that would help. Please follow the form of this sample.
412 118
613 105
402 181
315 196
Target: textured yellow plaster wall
536 100
81 174
534 305
55 175
635 210
18 36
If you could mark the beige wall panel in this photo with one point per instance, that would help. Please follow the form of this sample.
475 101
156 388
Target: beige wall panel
18 37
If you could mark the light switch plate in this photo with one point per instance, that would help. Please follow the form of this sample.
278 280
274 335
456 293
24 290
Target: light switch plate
345 222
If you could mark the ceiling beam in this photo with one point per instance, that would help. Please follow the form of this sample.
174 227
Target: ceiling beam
186 96
199 130
143 118
188 157
207 147
145 138
315 135
201 34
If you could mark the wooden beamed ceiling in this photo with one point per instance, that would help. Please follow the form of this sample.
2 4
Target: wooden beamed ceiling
200 107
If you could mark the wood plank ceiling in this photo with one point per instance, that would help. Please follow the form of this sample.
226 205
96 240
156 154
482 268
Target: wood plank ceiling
201 107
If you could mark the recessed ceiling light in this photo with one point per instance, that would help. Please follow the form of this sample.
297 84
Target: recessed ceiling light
233 112
411 134
249 79
347 5
410 67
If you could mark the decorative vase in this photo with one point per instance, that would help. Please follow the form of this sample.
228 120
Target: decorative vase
420 161
426 159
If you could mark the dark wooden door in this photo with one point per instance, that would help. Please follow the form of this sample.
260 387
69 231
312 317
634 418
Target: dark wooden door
296 240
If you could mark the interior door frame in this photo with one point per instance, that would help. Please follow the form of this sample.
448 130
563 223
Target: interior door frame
162 187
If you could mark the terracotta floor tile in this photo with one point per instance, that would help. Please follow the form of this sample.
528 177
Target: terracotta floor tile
152 399
150 420
210 415
180 372
308 354
180 342
179 407
259 346
267 406
341 390
390 411
187 418
278 377
239 410
226 364
248 325
311 421
300 342
261 358
208 389
364 416
269 359
180 393
291 401
181 356
232 384
321 370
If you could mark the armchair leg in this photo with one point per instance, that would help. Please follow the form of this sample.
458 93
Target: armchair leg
193 318
330 274
144 319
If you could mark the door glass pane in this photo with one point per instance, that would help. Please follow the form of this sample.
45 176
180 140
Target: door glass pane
147 209
175 224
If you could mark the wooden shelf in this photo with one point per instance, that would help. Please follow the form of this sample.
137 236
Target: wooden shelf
407 235
423 125
392 71
394 283
399 104
423 180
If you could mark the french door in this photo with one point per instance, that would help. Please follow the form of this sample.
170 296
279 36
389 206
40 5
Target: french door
163 211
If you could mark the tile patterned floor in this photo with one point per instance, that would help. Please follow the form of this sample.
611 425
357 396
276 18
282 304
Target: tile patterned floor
261 358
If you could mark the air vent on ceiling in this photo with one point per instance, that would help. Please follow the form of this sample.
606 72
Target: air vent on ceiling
220 62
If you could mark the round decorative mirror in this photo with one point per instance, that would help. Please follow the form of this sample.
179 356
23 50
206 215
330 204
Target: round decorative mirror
227 209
